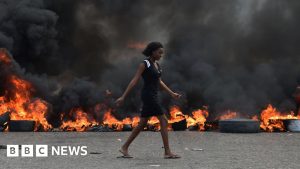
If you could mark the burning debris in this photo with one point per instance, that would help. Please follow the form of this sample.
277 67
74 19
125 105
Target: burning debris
136 45
100 128
272 119
79 122
228 115
227 59
292 125
22 125
22 110
198 119
18 97
4 119
179 126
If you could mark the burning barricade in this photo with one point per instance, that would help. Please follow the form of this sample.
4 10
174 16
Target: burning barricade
22 110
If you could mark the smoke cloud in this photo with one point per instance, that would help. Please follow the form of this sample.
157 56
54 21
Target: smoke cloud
237 55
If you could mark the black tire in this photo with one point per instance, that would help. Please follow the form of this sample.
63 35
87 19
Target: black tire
292 125
4 118
239 126
180 125
21 125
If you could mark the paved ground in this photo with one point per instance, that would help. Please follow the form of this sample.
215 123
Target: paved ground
220 150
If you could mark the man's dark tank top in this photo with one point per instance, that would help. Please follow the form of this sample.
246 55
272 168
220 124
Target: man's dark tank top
151 77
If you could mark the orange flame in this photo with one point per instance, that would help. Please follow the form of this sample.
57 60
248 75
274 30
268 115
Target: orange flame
176 115
18 100
198 118
135 121
154 122
80 123
22 106
4 57
136 45
271 119
112 122
228 115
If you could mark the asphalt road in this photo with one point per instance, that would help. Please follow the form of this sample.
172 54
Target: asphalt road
219 150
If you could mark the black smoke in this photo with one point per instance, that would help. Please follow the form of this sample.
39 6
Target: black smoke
237 55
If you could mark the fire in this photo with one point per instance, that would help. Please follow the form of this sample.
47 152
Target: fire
4 56
135 121
79 123
198 118
22 106
136 45
228 115
18 99
176 115
112 122
271 119
153 120
154 123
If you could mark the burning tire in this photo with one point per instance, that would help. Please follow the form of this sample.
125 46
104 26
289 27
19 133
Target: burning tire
127 127
239 126
21 125
292 125
180 125
4 118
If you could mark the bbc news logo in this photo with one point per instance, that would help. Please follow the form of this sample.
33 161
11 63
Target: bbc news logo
43 151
